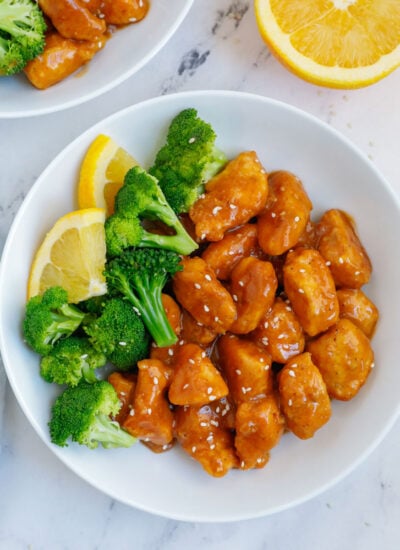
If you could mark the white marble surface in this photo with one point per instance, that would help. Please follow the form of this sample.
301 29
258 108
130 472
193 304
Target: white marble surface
45 506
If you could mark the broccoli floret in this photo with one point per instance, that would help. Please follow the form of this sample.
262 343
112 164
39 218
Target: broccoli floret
140 276
22 34
119 333
83 412
70 361
49 317
141 200
187 161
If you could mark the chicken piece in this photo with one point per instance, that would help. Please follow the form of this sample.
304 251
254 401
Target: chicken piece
60 58
198 290
124 12
92 5
340 246
253 287
195 380
280 332
286 214
222 256
173 313
124 385
232 197
201 435
311 290
344 357
303 395
193 331
150 417
73 19
358 308
246 367
308 239
259 426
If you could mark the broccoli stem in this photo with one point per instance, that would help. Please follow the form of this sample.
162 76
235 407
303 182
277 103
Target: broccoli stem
180 243
109 433
88 374
149 304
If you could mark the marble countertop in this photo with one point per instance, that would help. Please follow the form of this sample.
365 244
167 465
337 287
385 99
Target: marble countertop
43 505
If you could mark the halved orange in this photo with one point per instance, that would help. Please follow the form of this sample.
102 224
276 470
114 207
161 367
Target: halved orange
72 255
102 173
335 43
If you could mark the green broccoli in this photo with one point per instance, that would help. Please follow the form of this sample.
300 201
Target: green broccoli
83 413
22 34
187 160
140 276
141 200
119 333
49 317
70 361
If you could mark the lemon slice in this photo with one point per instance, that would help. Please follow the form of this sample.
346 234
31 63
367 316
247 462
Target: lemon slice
72 255
336 43
102 173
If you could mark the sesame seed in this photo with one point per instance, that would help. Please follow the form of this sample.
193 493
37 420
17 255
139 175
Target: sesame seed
302 270
208 277
328 263
341 261
265 341
185 387
214 423
232 206
266 324
293 365
372 365
240 283
123 393
192 140
224 412
194 449
203 236
259 460
235 298
170 351
192 361
149 411
273 215
132 412
261 359
281 336
165 447
357 273
206 308
203 354
155 381
266 367
210 438
297 219
216 319
288 308
197 285
218 410
212 447
242 464
231 253
209 390
122 343
181 342
131 19
203 424
238 372
301 291
216 209
244 390
212 398
290 402
291 373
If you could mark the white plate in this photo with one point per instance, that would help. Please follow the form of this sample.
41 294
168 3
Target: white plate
128 50
336 175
